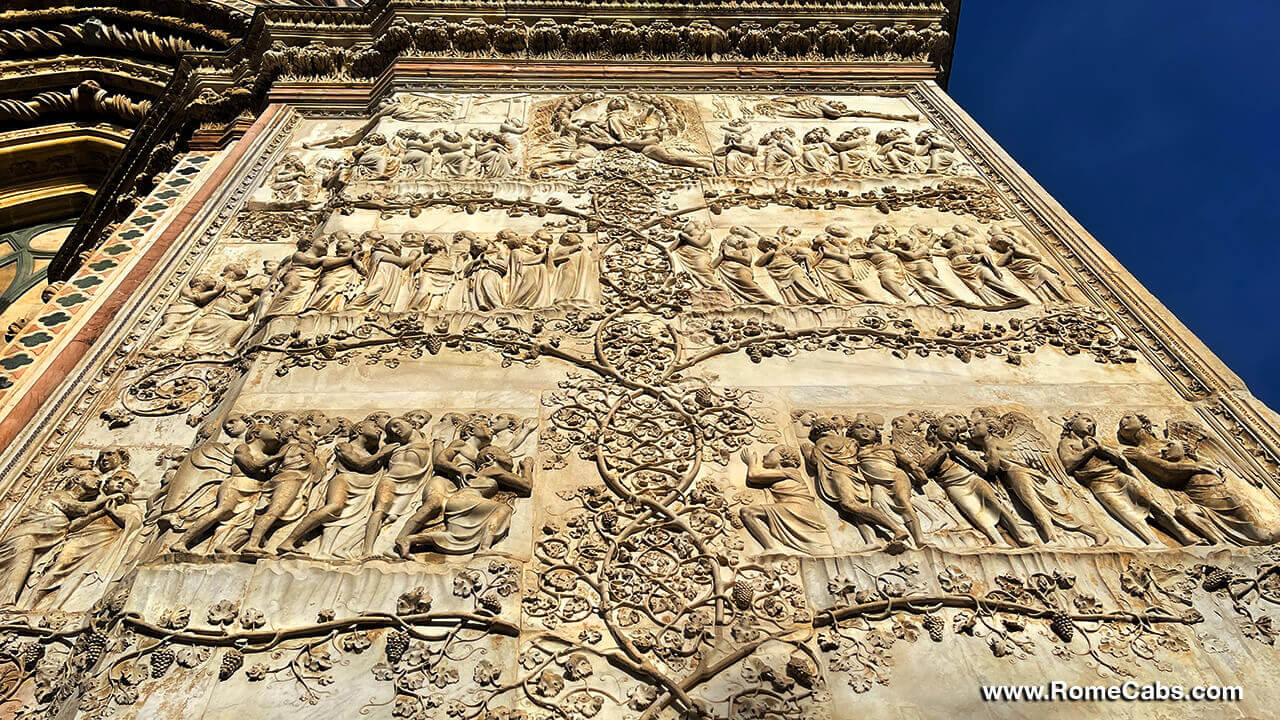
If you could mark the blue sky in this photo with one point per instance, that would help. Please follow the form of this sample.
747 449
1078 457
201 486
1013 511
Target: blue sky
1155 123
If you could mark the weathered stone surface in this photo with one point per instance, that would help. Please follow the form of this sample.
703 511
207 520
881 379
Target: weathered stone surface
622 403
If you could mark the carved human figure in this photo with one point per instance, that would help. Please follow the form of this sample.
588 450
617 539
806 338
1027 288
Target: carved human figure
693 254
1137 438
887 466
779 152
527 268
626 128
808 106
45 524
292 184
435 276
191 490
224 321
373 159
789 519
816 154
253 462
954 467
484 272
1213 488
495 153
386 280
1028 266
736 150
978 272
897 151
340 275
844 276
360 462
915 250
734 267
299 276
298 467
1108 475
939 155
97 548
570 262
416 152
473 519
788 264
833 459
403 107
857 153
879 250
181 314
1018 457
455 151
409 468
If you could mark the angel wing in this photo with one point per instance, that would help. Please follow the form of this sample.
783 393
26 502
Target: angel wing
1031 448
1204 446
906 435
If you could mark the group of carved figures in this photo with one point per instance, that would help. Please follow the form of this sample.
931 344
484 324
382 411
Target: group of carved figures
782 151
308 483
327 486
81 535
996 272
380 273
211 315
997 474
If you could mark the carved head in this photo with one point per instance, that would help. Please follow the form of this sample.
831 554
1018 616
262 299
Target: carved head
411 239
823 427
264 432
286 423
262 416
235 271
121 483
399 430
570 239
817 135
1080 425
841 231
78 461
112 459
866 428
1133 428
202 283
478 428
999 243
366 430
346 245
419 418
492 455
376 139
951 428
781 456
378 418
433 244
924 136
616 104
235 424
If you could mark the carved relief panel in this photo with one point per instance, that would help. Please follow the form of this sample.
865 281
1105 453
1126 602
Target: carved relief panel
620 404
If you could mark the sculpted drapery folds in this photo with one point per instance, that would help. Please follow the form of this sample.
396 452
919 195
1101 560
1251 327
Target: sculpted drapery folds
674 369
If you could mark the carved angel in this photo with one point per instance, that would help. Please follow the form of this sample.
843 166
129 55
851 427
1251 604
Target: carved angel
1195 464
954 467
1018 456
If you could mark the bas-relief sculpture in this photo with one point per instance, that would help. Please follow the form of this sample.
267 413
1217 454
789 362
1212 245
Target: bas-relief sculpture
522 405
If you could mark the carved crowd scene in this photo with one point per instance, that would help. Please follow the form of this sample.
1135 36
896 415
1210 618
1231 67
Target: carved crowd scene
625 404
